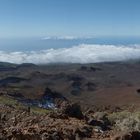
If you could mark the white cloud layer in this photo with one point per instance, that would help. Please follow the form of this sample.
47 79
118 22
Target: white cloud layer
78 54
65 37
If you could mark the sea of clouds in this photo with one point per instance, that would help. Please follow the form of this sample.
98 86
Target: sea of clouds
83 53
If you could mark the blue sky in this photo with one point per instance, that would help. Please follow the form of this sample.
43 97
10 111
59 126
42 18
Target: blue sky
38 18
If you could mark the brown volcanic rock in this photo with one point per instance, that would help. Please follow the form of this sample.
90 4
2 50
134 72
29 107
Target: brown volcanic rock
125 136
20 125
134 135
85 131
72 110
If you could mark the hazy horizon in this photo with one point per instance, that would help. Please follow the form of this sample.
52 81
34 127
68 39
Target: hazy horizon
48 31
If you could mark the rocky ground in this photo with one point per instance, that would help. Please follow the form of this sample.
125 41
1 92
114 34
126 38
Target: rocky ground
70 102
68 123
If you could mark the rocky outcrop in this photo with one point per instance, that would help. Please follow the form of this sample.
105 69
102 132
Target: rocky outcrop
72 110
89 69
134 135
95 69
49 99
52 94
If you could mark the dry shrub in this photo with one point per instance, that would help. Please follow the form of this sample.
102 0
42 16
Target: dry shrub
125 121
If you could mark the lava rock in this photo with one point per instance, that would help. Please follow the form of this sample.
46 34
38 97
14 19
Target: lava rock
73 110
122 136
85 131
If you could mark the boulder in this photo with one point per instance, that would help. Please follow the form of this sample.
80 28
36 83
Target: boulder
73 110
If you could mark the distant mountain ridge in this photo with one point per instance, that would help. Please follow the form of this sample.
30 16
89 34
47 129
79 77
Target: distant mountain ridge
6 66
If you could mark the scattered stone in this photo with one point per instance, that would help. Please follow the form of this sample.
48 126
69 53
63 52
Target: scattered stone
122 136
3 117
134 135
66 123
98 129
85 131
100 115
58 115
